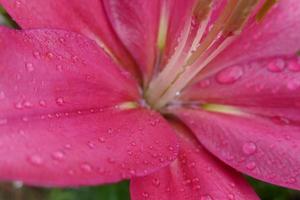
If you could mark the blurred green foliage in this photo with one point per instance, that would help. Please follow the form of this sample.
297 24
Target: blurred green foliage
118 191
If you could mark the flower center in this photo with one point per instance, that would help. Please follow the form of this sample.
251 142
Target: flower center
203 38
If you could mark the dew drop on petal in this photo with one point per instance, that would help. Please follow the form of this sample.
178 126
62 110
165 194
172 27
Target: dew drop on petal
102 139
42 103
58 155
206 197
249 148
2 95
251 165
36 54
3 121
156 182
231 196
277 65
294 66
59 68
60 101
229 75
145 194
86 167
29 67
35 160
293 84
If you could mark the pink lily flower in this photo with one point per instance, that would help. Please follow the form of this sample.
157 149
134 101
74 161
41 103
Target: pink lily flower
179 96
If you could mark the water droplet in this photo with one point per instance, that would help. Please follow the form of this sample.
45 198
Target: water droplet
68 146
62 40
231 196
35 160
58 155
102 139
29 67
91 145
145 194
292 180
293 84
28 104
156 182
60 101
3 121
59 68
230 75
294 66
206 197
249 148
204 83
276 66
19 105
36 54
86 167
42 103
49 55
25 119
251 165
2 95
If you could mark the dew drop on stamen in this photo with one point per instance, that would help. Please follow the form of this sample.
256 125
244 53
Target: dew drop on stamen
230 75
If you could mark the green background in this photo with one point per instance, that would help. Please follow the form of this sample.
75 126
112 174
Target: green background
120 191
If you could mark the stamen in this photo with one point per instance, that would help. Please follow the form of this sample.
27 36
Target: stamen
225 30
127 105
232 20
265 9
176 62
163 27
225 109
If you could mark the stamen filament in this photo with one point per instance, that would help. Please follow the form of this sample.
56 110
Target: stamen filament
185 65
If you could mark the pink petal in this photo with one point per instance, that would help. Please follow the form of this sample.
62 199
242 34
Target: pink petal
276 35
86 17
269 82
195 175
59 120
136 23
257 146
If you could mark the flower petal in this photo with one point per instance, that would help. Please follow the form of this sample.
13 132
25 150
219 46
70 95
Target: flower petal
139 24
195 175
68 115
276 35
85 17
268 82
136 23
257 146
